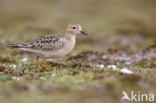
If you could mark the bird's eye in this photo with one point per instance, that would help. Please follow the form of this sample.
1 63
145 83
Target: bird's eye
74 28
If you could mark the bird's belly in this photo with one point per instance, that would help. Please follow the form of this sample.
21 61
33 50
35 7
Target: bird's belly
59 53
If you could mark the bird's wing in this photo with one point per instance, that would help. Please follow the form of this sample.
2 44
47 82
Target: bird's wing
46 43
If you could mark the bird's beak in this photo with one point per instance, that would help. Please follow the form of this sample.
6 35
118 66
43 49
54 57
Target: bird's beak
84 33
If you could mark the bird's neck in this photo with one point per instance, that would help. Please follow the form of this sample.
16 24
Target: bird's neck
70 35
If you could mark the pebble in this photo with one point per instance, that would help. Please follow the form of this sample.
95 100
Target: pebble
24 59
53 75
101 66
12 66
126 71
112 66
128 63
43 78
15 78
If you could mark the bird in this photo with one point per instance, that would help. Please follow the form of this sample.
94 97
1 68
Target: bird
52 46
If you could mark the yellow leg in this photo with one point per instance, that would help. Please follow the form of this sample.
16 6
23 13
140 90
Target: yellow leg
43 62
38 62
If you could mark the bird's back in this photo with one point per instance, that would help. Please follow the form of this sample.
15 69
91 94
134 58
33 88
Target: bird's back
49 42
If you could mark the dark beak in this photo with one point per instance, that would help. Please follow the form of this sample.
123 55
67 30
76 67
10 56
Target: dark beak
84 33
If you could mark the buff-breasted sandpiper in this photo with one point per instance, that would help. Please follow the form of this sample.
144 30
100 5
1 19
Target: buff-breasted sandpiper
52 46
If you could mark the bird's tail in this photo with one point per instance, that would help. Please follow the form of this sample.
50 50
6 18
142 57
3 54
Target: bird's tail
18 46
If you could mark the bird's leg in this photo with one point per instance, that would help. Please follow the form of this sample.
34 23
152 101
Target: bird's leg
43 62
38 62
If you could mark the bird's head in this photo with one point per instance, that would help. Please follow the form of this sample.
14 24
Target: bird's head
74 29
